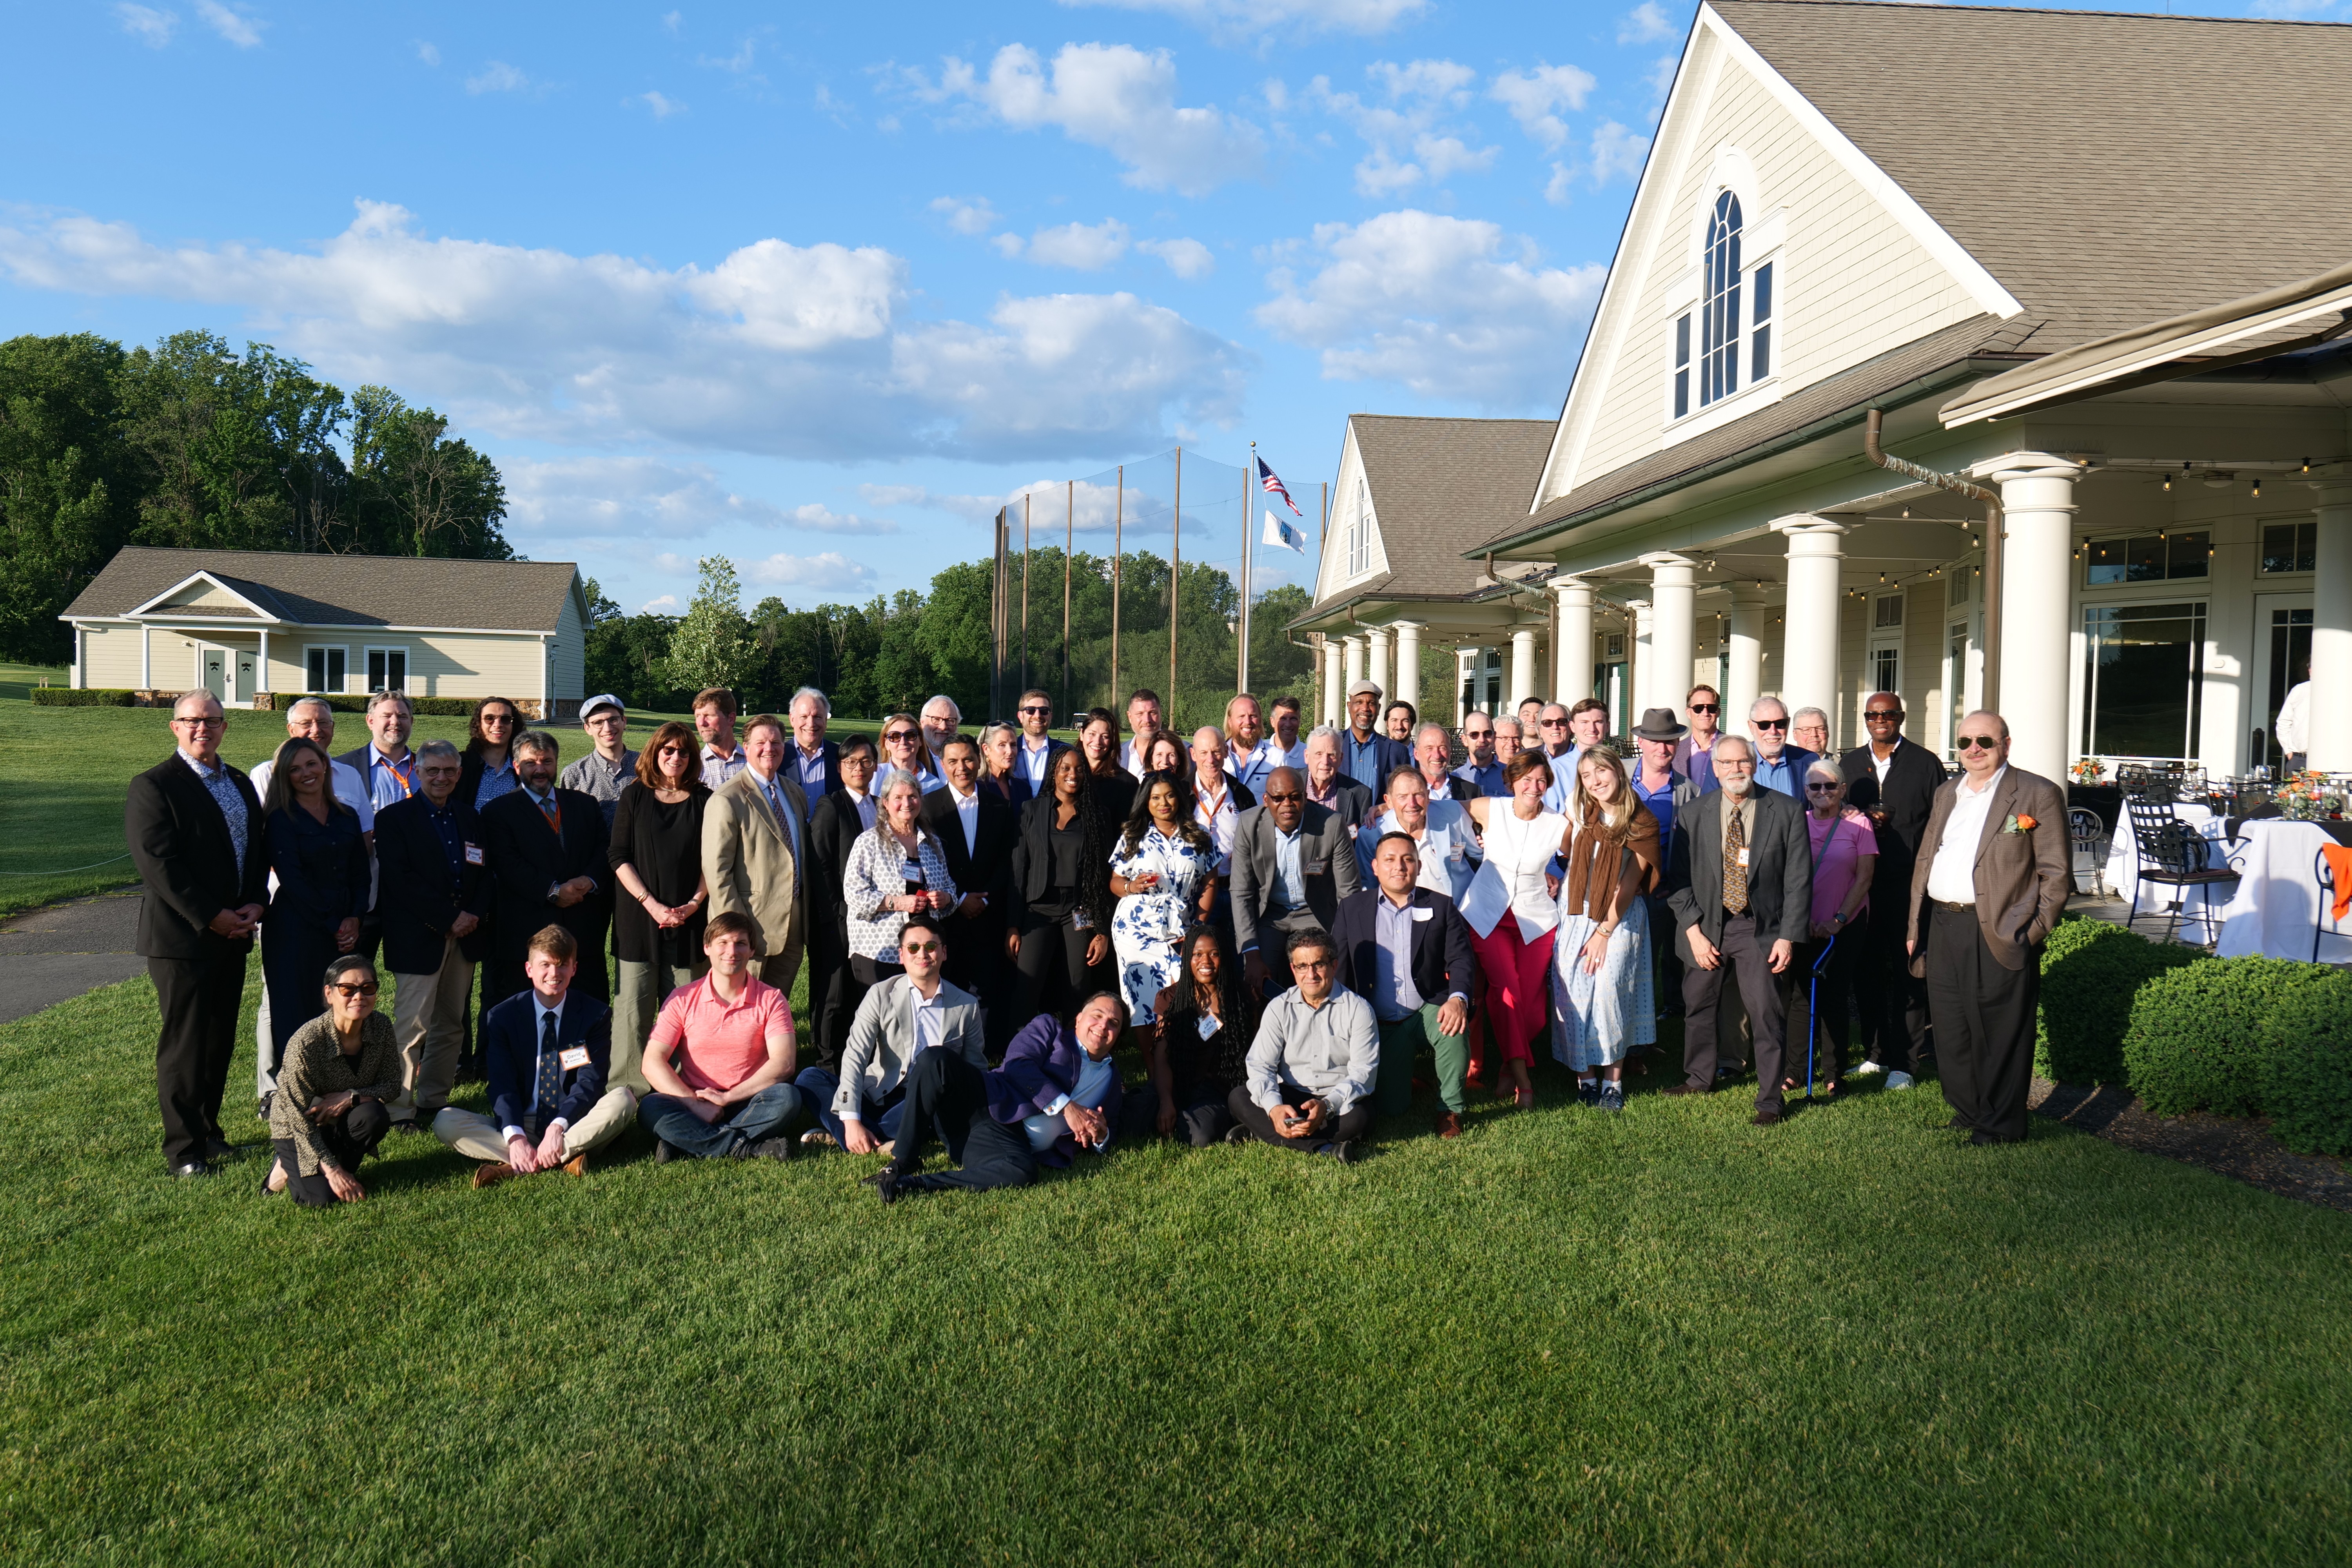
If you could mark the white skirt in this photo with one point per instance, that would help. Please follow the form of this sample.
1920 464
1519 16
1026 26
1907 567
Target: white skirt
1597 1018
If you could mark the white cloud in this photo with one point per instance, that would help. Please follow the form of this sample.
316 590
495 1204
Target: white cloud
1536 97
1556 188
146 24
777 347
426 52
671 21
1449 307
1661 81
892 494
1646 24
1008 246
1407 140
238 29
1617 152
822 518
646 497
739 63
831 570
498 77
1188 259
1113 97
661 104
966 214
1087 248
1246 19
664 606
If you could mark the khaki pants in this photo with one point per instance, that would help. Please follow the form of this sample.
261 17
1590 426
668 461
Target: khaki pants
780 970
478 1136
429 1013
642 987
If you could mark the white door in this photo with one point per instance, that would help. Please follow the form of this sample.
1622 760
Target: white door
2282 660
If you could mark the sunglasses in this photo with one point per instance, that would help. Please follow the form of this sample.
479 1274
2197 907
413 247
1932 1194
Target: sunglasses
895 735
1882 712
1823 788
1553 723
1277 797
1705 707
1036 710
1978 743
369 989
498 718
1769 723
919 948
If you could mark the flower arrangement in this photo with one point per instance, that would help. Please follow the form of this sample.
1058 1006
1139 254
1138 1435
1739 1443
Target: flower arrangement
2087 771
2307 797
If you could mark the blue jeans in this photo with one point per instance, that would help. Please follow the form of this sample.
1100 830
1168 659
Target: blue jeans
770 1113
819 1085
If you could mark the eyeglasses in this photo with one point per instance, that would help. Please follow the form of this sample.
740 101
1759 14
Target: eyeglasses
1882 712
497 719
1705 707
1823 788
1769 723
348 992
216 721
899 735
919 950
1978 743
1553 723
1277 797
1036 709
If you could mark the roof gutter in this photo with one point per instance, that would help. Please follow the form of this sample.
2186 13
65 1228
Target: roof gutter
1994 535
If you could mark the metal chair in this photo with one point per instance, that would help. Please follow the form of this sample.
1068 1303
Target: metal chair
2087 835
2324 875
2131 778
2171 854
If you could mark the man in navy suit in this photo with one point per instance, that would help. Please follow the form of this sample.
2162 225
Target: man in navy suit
813 761
548 1047
434 890
1366 756
547 857
1033 753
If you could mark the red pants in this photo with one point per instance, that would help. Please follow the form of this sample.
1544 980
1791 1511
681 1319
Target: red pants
1513 988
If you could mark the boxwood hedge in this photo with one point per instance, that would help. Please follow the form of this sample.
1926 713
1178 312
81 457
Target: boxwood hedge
88 697
2307 1066
2198 1036
2090 973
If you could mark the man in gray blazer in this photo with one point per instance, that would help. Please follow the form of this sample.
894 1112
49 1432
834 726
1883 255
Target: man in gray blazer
1293 862
859 1108
1739 879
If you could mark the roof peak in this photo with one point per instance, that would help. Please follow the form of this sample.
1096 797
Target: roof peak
2037 11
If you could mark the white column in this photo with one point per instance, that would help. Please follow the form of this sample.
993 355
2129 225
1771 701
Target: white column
1743 672
1522 672
1572 660
1673 628
1809 643
1640 655
1408 663
1465 665
1355 670
2037 606
2331 631
146 659
261 669
1333 679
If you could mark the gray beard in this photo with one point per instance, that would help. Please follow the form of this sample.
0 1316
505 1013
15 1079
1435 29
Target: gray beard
1738 790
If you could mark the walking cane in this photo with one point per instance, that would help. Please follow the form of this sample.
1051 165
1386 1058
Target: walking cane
1813 1012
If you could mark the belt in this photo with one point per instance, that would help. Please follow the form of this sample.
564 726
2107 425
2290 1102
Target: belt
1731 914
1956 908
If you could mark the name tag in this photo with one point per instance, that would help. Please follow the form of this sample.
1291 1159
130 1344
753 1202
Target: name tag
1208 1025
473 854
1743 856
1419 915
912 871
574 1058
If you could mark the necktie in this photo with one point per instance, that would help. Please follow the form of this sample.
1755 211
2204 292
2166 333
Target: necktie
551 1071
1735 874
553 814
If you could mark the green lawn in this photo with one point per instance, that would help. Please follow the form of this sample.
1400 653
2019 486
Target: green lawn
1665 1337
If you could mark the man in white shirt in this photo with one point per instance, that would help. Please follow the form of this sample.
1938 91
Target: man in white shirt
2293 728
1994 873
1142 722
1286 733
1430 748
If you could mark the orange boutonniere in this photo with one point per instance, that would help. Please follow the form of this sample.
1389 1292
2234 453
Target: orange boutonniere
2021 822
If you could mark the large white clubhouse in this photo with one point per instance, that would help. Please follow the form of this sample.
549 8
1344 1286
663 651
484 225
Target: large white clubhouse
2093 263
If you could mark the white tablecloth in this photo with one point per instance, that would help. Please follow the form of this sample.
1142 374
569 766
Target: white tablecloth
2276 906
2201 910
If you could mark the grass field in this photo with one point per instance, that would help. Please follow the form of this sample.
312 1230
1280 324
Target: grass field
1663 1337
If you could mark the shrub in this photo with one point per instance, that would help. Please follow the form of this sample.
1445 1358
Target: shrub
2196 1036
88 697
2307 1066
435 707
2090 973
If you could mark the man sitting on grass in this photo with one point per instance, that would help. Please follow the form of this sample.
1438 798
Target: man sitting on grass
547 1048
730 1095
1308 1083
863 1106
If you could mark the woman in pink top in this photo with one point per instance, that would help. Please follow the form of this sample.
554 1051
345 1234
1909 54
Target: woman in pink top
1845 853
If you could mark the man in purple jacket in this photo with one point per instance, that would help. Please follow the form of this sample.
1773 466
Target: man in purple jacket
1057 1091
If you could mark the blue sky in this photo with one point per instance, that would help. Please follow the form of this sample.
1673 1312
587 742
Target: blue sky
818 287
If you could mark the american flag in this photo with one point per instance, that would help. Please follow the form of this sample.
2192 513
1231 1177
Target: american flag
1273 486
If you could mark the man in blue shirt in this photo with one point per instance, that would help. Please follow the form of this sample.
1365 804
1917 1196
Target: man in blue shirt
1365 755
1588 726
1483 773
1778 765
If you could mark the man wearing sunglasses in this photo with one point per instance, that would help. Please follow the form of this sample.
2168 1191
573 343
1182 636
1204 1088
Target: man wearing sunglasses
1033 757
1892 780
1994 872
1779 765
1482 774
1694 752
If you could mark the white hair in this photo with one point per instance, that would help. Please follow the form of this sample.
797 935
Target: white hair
1425 726
1324 732
1742 742
1801 714
931 702
320 703
1756 708
1826 769
810 693
889 778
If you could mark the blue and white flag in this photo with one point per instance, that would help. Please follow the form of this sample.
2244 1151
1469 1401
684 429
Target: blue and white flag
1281 535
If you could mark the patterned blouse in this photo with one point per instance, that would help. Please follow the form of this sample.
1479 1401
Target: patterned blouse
315 1067
875 874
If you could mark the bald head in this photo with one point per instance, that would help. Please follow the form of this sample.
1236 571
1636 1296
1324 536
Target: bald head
1208 750
1978 760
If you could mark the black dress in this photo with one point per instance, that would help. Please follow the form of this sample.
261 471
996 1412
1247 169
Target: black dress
322 880
1202 1069
662 840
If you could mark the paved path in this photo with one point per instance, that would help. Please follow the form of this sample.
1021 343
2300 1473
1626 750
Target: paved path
61 951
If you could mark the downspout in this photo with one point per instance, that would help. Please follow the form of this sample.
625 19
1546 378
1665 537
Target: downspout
1994 535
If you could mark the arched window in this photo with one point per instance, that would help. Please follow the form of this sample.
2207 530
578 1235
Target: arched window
1719 304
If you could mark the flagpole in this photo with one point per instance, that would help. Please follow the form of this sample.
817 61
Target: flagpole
1240 660
1175 583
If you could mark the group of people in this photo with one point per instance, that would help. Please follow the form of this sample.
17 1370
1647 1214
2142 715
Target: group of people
1285 927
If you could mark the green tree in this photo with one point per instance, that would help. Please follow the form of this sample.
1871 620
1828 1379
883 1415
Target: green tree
69 498
710 646
415 490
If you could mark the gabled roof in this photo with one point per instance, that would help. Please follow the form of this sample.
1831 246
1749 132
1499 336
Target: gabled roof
2107 169
1434 483
341 590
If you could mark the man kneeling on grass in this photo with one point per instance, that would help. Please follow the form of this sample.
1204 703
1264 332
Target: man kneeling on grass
864 1107
1308 1084
730 1095
545 1049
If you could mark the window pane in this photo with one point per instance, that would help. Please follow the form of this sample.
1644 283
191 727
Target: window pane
1888 611
395 677
2103 562
2289 546
375 670
1883 664
1764 293
2191 554
318 672
1681 339
1761 360
1682 389
2143 680
2144 559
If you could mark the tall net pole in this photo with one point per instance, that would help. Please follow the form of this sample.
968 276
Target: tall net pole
1117 553
1175 580
1024 592
1069 537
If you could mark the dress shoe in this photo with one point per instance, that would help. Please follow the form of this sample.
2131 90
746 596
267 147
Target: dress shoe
886 1185
1449 1125
1959 1124
219 1148
191 1169
1685 1088
1982 1140
491 1174
576 1166
773 1149
1238 1134
1767 1117
1345 1150
261 1112
665 1152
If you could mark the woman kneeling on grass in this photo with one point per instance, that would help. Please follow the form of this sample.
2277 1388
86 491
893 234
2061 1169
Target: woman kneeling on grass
339 1073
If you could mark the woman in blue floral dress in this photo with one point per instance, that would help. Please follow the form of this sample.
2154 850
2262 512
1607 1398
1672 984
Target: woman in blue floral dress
1163 871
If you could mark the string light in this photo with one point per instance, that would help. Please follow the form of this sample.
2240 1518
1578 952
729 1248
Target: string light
2258 487
2168 484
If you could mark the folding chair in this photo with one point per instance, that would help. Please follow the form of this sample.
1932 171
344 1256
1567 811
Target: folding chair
2087 835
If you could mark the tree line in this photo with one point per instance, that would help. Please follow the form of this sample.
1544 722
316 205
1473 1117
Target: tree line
191 444
897 651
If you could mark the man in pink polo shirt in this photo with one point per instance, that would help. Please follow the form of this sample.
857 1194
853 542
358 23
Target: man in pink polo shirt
721 1059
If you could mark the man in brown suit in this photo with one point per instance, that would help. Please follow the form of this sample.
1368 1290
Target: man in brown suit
1992 878
754 838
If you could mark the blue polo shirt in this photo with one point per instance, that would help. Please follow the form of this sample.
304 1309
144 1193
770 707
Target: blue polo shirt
1787 774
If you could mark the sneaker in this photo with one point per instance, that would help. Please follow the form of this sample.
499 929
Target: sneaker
772 1149
1344 1151
261 1112
665 1152
1612 1097
1237 1134
1868 1069
1898 1080
818 1138
1587 1092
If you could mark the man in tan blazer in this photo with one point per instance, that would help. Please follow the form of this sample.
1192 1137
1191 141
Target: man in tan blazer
754 834
1993 876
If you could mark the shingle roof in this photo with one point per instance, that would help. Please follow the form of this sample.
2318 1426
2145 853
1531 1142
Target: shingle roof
344 590
1427 477
2108 169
